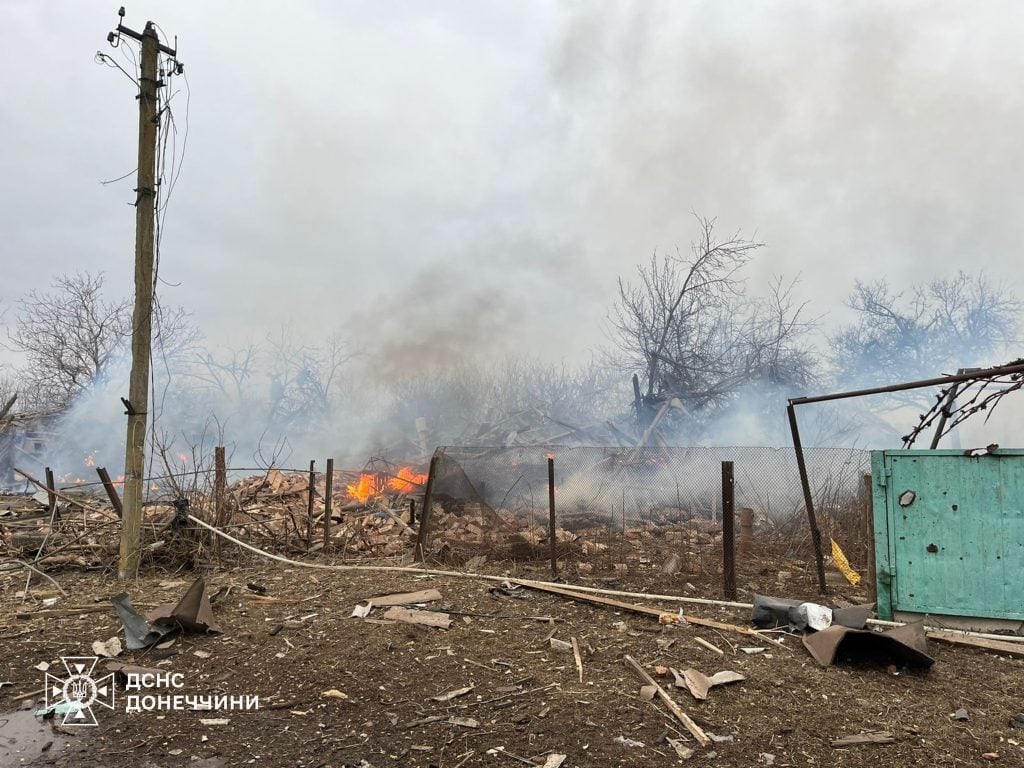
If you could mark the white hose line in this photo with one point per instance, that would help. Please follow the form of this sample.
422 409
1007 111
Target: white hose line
574 587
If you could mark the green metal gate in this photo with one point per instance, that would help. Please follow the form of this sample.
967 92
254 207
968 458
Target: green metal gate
949 532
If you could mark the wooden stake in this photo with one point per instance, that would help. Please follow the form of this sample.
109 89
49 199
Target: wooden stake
328 501
421 534
108 486
309 504
579 658
51 499
220 485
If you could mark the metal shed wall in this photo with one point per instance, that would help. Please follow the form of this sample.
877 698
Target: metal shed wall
949 532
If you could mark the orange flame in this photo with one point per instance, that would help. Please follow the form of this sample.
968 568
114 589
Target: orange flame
407 481
90 461
183 458
364 489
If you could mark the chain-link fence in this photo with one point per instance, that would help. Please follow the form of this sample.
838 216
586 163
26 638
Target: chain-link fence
495 500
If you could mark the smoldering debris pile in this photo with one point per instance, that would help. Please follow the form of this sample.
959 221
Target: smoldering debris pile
373 514
77 529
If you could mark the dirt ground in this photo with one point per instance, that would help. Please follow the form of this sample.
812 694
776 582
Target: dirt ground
526 700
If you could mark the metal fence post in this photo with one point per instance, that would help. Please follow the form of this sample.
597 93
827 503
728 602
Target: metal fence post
551 514
728 531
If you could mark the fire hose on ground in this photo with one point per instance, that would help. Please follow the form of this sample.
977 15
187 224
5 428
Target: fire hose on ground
575 587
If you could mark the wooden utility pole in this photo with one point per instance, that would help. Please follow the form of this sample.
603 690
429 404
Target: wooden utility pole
142 317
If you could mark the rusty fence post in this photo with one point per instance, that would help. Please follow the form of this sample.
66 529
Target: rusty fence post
805 483
51 498
220 486
220 493
728 531
421 534
551 515
108 486
328 501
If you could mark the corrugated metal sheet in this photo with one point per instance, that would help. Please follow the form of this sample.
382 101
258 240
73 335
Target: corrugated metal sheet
949 532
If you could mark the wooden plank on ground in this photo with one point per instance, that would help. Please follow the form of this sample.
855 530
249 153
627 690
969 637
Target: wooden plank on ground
424 618
406 598
665 616
984 644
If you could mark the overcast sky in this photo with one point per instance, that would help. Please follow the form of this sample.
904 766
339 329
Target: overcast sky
456 178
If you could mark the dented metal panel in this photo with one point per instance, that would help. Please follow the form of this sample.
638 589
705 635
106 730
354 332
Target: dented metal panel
949 532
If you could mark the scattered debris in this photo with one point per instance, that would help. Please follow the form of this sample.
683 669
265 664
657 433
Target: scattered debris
627 742
362 611
406 598
452 694
648 692
425 618
334 693
682 751
554 760
108 649
464 722
559 645
692 727
960 714
869 737
215 721
843 565
998 646
42 666
773 612
1018 721
702 642
905 644
990 756
644 610
751 650
699 684
192 613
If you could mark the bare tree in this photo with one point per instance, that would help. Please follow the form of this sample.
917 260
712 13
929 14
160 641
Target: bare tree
934 327
304 377
229 373
68 336
689 326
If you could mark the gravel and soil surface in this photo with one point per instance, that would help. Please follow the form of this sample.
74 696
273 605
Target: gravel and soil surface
526 702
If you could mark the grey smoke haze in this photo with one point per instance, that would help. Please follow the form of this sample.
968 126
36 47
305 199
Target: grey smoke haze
446 181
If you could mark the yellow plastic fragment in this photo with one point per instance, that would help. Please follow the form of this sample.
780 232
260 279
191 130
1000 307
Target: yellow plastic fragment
843 564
